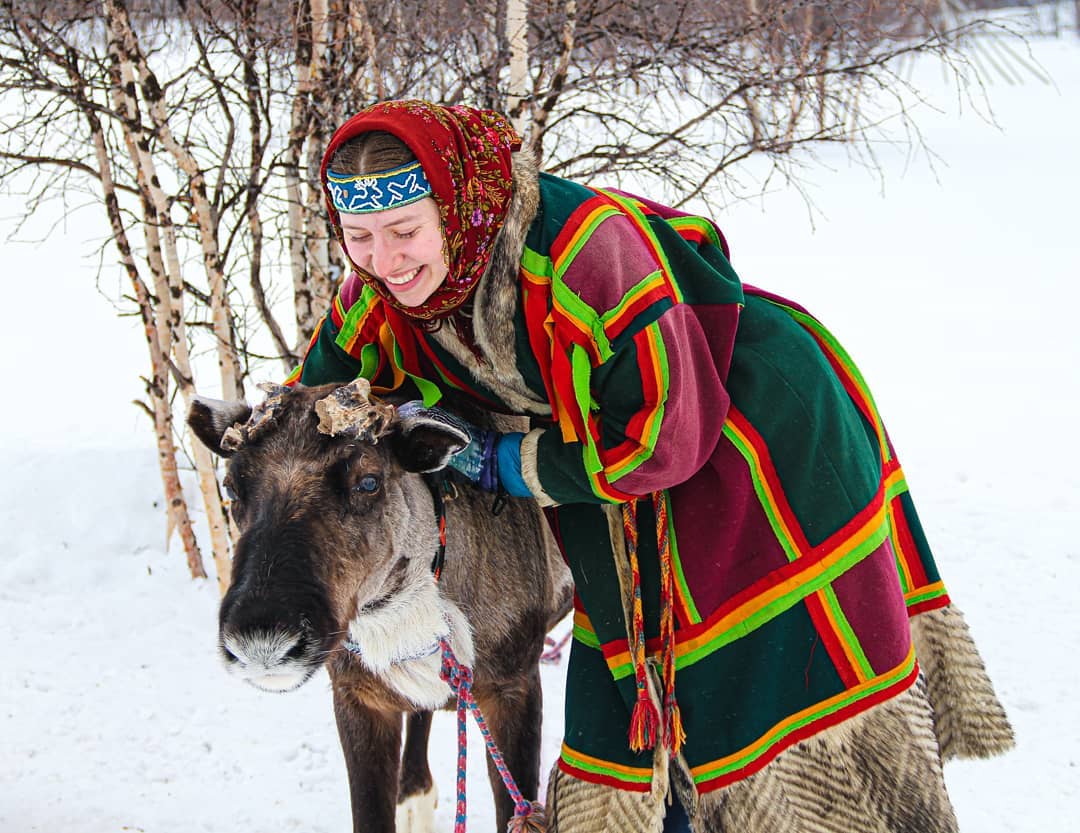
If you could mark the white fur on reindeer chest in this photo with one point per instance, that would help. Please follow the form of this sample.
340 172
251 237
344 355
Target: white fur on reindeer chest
398 640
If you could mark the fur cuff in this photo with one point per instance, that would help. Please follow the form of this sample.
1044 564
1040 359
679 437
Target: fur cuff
528 468
969 719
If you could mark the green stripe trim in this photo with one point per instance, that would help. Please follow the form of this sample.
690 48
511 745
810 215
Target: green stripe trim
354 318
572 305
577 763
640 288
586 637
536 263
642 222
848 634
369 360
776 607
581 237
816 327
581 372
676 565
884 682
429 391
760 489
897 488
925 597
708 231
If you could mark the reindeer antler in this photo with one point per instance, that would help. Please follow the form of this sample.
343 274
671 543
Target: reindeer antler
351 411
262 416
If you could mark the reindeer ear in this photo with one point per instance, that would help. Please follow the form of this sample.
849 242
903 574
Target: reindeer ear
425 441
209 419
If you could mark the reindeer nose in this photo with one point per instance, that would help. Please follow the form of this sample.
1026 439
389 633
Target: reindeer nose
262 650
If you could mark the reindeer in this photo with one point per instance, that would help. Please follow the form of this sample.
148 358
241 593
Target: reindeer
332 492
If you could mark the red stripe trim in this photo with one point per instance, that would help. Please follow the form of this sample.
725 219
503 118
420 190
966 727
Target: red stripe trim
831 641
637 428
536 298
617 325
429 353
780 575
768 472
908 550
930 604
644 232
606 780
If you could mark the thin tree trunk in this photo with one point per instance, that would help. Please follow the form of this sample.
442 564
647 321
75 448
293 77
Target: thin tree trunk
517 37
228 359
542 113
360 24
299 121
120 47
158 385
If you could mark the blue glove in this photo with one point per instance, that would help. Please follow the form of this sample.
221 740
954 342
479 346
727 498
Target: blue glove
490 460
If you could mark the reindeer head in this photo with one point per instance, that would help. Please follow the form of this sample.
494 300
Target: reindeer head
333 514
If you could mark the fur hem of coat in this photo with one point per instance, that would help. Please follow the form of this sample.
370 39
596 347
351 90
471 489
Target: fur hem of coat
878 772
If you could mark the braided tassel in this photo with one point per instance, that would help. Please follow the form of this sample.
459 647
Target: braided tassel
644 720
531 820
674 733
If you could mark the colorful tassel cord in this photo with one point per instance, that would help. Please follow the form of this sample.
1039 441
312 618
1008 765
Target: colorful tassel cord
645 721
528 816
674 734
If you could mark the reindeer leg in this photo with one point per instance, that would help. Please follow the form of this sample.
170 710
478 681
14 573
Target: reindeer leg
371 741
514 712
416 791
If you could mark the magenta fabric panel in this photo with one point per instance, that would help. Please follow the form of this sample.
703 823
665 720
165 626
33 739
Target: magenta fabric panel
873 602
724 537
613 260
695 406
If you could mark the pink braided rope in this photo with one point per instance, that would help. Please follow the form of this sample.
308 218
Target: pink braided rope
459 678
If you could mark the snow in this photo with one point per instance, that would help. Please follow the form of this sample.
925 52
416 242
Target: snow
952 284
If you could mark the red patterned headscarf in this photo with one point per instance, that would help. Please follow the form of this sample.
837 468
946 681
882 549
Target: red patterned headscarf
465 154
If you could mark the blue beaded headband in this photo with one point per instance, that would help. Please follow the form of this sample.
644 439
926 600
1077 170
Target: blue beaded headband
362 194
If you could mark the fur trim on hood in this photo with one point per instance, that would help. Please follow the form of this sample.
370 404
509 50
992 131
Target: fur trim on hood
496 299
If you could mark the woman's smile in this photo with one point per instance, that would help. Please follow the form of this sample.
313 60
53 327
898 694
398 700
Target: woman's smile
403 279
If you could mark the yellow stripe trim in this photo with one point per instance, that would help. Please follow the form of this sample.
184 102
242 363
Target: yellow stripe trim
572 755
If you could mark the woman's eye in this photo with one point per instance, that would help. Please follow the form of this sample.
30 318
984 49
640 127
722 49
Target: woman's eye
405 235
367 484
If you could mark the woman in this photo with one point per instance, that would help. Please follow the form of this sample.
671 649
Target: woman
753 586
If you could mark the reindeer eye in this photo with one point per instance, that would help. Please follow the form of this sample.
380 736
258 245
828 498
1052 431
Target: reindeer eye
367 484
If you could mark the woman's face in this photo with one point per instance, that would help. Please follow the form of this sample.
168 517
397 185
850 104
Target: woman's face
402 247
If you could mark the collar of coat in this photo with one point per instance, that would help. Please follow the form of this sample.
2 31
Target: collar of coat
497 293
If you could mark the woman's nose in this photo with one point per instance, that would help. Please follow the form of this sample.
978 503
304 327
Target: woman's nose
385 256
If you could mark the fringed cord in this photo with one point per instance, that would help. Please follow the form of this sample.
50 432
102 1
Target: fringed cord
528 815
674 734
644 720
